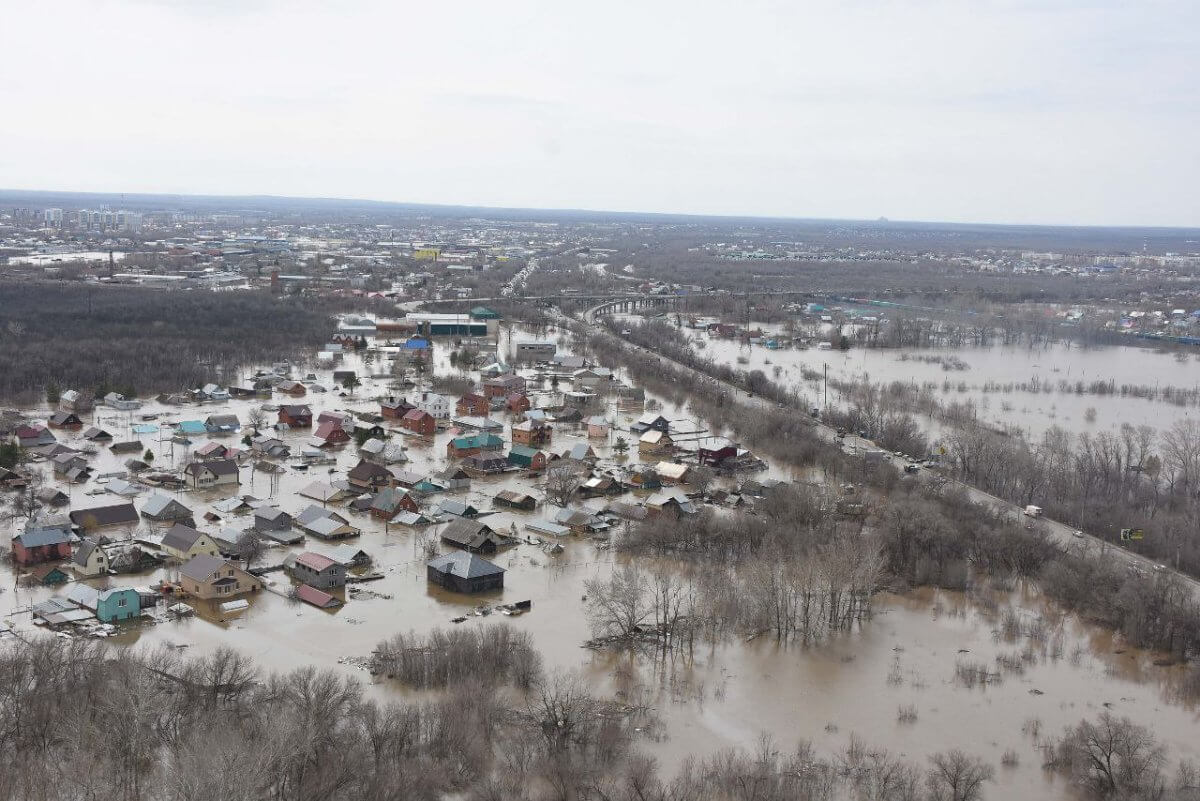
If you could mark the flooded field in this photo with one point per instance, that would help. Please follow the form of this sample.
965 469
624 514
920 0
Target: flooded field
905 680
1011 386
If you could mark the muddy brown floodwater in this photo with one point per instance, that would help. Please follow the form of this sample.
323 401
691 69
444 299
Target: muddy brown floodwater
998 367
724 695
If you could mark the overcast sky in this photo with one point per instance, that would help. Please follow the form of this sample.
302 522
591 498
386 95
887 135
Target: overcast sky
1042 111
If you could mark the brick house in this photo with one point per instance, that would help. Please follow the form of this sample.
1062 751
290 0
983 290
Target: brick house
472 405
419 422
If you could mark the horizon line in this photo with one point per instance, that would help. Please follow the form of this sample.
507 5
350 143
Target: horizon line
881 220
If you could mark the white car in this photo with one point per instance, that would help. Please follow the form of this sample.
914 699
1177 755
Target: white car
1078 534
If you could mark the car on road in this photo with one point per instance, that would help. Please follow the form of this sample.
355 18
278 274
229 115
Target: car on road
1078 534
1159 568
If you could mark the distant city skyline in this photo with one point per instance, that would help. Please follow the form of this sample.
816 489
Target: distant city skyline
1059 112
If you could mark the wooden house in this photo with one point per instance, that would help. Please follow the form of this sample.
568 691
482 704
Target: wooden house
472 536
65 420
296 415
115 515
464 572
368 476
515 500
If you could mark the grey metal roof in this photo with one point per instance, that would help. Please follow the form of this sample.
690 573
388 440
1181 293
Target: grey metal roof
48 535
200 568
181 537
158 503
464 565
80 557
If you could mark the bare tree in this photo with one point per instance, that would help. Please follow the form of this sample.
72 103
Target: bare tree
560 484
250 548
701 477
618 607
956 776
256 418
1113 756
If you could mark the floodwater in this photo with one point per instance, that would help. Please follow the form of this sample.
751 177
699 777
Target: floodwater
724 695
1005 369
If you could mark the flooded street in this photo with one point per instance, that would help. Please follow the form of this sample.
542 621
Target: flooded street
893 682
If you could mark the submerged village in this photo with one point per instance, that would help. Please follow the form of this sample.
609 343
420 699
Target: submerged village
327 484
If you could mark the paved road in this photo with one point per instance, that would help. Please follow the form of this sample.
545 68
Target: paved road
1064 535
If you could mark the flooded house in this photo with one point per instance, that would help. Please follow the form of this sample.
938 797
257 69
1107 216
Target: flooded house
472 536
324 523
715 451
389 501
368 476
34 436
394 408
654 441
118 603
212 450
296 416
527 457
437 406
65 420
515 500
71 467
207 577
672 472
271 518
97 435
213 473
164 508
419 421
41 543
47 575
534 433
329 434
461 447
318 598
503 385
472 405
464 572
650 422
318 570
222 424
97 518
89 558
183 542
